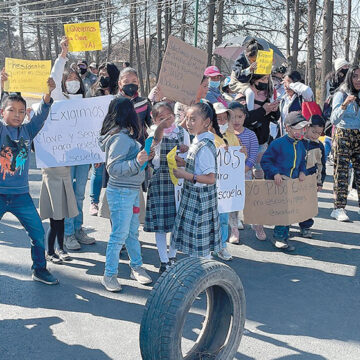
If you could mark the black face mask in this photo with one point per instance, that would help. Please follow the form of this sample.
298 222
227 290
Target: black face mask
83 71
261 86
104 82
342 73
130 89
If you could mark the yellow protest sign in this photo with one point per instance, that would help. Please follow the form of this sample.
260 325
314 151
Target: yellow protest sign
264 62
83 36
172 165
27 75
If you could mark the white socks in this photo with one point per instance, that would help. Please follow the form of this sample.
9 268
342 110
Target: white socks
162 248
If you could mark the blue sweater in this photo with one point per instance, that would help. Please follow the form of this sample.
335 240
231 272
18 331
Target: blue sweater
15 148
284 156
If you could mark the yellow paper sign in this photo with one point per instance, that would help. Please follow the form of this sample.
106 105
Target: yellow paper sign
172 165
264 62
84 36
27 75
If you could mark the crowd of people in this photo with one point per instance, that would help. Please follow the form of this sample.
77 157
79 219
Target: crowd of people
272 117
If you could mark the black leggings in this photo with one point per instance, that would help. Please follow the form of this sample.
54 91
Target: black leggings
56 230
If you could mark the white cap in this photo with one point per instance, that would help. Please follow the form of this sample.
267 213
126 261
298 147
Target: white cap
220 108
339 63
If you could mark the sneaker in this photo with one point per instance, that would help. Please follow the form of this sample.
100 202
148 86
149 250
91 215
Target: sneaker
305 233
83 238
63 255
44 276
259 232
339 215
240 225
71 243
94 209
163 267
172 261
139 274
234 236
223 254
289 247
54 258
111 283
280 243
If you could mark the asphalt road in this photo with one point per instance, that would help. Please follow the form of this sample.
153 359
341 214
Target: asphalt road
304 305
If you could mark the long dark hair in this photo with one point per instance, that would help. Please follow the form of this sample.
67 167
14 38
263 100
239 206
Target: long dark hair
236 105
121 113
113 72
252 47
348 85
64 78
270 87
207 110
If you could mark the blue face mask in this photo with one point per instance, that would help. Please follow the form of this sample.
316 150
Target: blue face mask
214 84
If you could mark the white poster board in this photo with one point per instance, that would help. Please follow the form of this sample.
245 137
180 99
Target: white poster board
231 179
71 132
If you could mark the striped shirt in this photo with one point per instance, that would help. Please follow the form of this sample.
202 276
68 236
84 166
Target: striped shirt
249 140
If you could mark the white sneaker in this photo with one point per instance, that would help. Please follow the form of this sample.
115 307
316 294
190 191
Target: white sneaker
339 215
240 225
139 274
353 195
223 254
111 283
94 209
71 243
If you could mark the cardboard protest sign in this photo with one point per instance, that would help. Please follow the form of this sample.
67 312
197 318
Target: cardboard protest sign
181 71
289 203
27 75
70 133
172 165
83 36
231 179
264 62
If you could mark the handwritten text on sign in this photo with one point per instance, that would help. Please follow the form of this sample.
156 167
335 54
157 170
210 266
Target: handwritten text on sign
71 131
291 202
231 179
264 61
84 36
181 71
27 75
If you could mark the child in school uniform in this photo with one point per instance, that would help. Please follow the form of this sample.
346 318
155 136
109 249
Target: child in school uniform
196 230
249 141
315 161
286 158
225 120
16 139
161 205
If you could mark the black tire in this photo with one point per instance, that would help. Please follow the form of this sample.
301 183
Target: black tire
170 301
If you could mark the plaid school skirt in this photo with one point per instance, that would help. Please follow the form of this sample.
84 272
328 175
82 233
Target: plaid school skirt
197 229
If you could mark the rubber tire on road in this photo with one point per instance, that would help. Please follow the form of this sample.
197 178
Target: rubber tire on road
170 301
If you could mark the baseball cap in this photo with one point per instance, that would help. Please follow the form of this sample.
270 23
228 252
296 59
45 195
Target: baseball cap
93 65
220 108
212 71
296 120
317 120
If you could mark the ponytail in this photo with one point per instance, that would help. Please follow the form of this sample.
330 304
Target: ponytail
207 110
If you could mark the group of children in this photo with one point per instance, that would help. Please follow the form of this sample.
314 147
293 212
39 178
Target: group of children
196 227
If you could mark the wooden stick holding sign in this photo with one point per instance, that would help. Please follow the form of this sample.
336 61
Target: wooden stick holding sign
181 71
83 36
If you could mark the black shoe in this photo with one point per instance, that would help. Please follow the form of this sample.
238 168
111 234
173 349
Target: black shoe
63 255
289 247
54 258
44 276
163 267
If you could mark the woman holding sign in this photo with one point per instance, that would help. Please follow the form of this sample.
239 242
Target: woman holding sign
68 86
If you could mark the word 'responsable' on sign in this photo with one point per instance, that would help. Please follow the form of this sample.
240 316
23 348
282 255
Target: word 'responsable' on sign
288 203
70 133
27 75
83 36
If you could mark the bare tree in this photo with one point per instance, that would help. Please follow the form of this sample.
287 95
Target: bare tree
288 54
348 29
183 20
159 37
327 45
219 29
137 49
131 37
21 33
295 43
310 63
210 30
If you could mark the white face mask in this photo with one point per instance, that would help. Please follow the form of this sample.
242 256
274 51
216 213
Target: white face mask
72 86
223 128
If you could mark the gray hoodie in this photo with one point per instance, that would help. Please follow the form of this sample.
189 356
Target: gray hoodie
121 164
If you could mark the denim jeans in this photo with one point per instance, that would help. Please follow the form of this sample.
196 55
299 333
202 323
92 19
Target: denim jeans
281 232
22 206
96 183
125 228
79 176
224 228
327 145
307 224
